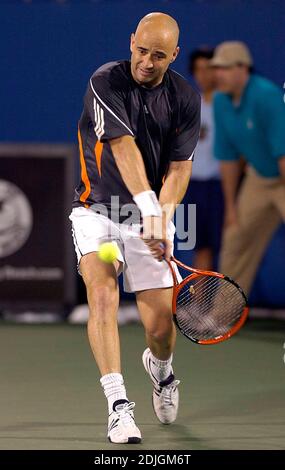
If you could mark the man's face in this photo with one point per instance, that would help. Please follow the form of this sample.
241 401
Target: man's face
227 78
151 55
204 74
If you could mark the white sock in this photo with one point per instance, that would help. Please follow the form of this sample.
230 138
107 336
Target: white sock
161 369
114 388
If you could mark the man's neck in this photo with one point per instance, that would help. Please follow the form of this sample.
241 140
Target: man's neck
238 92
150 86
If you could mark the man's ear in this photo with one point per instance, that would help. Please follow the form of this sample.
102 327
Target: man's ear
132 42
175 54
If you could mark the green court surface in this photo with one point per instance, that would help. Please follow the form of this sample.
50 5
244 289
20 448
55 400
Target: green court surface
232 395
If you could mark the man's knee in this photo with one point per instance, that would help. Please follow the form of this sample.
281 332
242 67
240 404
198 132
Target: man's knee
103 300
161 331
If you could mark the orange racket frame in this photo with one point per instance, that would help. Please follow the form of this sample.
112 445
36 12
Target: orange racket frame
194 274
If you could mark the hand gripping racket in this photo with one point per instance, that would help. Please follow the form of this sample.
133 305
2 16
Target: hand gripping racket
208 307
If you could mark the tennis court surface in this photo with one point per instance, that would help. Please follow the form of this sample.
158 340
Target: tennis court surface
232 394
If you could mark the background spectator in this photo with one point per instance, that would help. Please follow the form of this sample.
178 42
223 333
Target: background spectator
250 121
205 186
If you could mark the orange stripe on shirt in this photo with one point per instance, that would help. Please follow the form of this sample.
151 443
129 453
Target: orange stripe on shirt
98 149
84 175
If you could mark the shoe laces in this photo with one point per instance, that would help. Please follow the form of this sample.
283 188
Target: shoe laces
167 392
125 412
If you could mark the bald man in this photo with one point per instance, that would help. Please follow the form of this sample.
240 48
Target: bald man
137 135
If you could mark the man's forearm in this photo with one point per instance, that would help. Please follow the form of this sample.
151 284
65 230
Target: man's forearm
130 164
281 163
174 187
131 167
230 172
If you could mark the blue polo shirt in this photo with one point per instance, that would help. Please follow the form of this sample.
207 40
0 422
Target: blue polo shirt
254 129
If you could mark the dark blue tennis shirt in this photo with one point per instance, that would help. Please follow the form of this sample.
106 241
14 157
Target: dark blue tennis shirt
164 120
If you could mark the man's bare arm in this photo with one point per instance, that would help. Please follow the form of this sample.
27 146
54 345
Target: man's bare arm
130 164
230 172
174 187
131 167
281 163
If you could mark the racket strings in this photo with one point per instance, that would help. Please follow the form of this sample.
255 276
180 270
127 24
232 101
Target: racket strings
208 307
211 287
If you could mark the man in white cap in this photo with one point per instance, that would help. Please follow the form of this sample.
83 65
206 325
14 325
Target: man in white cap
250 123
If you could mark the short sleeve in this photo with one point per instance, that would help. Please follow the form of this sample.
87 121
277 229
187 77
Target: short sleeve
187 132
106 107
271 108
223 147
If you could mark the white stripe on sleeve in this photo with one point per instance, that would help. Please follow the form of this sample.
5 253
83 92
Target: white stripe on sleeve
107 107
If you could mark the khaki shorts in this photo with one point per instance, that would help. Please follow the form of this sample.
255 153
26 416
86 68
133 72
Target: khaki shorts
140 269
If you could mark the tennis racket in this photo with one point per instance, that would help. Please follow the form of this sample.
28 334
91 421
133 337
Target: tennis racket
208 307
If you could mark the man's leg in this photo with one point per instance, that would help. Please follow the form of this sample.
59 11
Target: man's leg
155 310
278 198
103 299
244 244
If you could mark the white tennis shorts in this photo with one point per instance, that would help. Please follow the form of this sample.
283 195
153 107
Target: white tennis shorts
140 269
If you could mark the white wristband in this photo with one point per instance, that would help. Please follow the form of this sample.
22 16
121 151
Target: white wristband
148 204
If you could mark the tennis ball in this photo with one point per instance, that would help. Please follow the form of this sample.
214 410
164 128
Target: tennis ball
108 252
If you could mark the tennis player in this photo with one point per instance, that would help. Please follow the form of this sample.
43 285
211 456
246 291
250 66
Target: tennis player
137 135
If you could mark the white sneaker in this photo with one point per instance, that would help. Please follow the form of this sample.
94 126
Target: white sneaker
122 428
165 395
